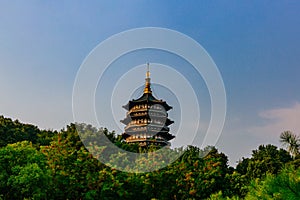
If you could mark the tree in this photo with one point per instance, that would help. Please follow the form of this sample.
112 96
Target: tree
23 172
74 171
198 177
14 131
284 186
291 141
266 159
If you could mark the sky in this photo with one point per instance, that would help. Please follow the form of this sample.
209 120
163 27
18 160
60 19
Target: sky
256 47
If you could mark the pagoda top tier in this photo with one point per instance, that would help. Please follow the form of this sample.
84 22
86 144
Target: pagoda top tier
147 97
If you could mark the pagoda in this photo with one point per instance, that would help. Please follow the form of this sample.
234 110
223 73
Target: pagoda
147 119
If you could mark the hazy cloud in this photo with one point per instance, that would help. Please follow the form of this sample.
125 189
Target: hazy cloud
280 119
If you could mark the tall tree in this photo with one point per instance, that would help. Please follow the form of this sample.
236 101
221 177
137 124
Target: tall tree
291 141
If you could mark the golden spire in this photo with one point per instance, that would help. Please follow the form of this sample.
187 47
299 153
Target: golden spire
147 89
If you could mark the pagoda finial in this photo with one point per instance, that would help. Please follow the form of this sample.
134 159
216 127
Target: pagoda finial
147 88
148 71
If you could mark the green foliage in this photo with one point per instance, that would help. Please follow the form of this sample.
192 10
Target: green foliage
220 196
56 165
44 137
23 172
296 161
266 159
74 171
197 177
14 131
238 185
284 186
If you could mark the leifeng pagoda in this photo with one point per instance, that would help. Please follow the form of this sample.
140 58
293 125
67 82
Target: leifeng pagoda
147 119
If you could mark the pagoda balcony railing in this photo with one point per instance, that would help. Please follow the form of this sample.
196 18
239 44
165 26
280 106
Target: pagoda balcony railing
148 106
155 122
150 137
133 129
146 109
137 110
152 114
133 124
137 131
134 132
136 128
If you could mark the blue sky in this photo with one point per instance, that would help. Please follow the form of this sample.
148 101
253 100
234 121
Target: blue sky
255 46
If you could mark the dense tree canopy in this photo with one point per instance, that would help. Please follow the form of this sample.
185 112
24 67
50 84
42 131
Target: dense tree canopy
23 172
45 164
14 131
266 159
286 185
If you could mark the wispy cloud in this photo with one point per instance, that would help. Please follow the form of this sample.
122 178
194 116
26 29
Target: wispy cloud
280 119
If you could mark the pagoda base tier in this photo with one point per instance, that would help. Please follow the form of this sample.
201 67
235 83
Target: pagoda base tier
160 135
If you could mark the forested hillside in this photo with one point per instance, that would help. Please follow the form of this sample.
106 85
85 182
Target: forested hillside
45 164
